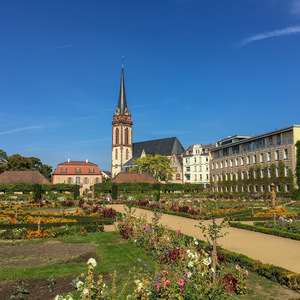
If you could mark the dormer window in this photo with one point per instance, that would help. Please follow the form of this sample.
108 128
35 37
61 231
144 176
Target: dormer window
77 170
63 170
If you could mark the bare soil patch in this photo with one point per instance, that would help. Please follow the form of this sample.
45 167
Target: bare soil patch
45 254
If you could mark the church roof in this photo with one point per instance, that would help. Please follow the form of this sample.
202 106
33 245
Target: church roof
165 147
122 103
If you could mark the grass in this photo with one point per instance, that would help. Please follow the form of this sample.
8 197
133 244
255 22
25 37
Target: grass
115 253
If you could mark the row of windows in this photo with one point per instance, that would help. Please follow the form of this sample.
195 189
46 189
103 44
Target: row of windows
189 159
77 170
250 146
243 174
188 177
205 168
248 188
254 159
79 180
118 138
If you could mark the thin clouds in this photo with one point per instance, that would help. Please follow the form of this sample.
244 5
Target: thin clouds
21 129
270 34
61 47
295 7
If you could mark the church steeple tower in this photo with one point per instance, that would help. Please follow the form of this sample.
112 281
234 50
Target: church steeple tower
121 132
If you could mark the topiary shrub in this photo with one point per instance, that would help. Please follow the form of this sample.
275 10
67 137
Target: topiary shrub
114 191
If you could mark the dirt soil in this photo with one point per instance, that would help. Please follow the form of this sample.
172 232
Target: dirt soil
49 253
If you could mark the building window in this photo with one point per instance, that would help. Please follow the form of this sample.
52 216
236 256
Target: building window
63 170
269 172
117 136
91 180
242 161
226 163
254 158
200 177
77 170
286 171
277 172
236 162
255 174
127 154
97 180
248 160
255 188
69 180
285 154
231 176
262 173
195 169
77 180
177 176
278 139
91 170
261 157
263 188
206 167
221 164
85 180
237 176
126 136
269 156
217 165
287 187
116 157
270 140
278 187
213 166
206 176
277 155
195 159
243 175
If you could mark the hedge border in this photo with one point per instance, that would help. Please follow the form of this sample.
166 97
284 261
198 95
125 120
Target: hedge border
276 232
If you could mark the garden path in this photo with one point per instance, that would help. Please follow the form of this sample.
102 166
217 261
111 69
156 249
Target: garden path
268 249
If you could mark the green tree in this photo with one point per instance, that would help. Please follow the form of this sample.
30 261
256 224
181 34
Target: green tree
158 166
3 160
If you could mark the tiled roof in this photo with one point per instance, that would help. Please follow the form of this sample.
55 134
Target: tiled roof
132 177
13 177
76 163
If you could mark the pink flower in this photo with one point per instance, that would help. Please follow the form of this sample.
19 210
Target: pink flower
158 286
181 282
167 282
165 272
237 267
246 272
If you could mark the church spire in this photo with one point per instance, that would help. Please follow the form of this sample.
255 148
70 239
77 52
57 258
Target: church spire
122 103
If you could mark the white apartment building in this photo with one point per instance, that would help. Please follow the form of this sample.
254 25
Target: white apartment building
196 164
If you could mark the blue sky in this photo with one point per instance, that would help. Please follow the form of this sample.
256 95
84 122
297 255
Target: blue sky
196 69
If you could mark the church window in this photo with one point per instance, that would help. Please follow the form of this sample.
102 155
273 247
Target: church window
127 153
116 153
126 136
117 135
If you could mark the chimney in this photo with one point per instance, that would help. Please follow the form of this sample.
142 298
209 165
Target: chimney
86 160
68 159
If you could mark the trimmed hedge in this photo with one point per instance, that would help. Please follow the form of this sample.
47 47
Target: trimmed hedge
265 230
106 187
27 188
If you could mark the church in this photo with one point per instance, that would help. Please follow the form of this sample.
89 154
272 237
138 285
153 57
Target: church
124 152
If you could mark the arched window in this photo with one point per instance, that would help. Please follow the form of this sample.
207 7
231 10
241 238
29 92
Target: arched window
127 153
177 176
117 135
116 153
126 136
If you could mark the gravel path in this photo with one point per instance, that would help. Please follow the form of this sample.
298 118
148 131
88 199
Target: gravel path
269 249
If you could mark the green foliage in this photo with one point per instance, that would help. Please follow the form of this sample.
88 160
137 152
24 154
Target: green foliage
106 187
27 188
114 191
37 192
158 166
17 162
76 192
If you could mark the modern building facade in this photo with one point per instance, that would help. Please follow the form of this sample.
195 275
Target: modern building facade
196 164
83 173
249 164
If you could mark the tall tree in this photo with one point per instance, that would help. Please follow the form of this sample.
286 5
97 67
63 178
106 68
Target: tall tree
158 166
3 160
